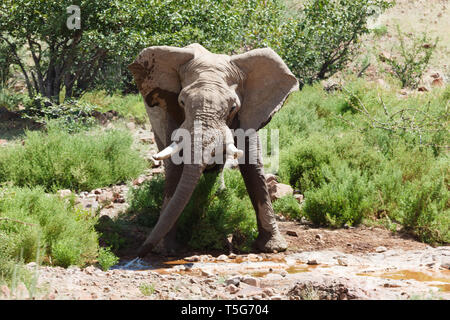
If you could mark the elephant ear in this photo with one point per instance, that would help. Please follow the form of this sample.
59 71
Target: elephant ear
155 71
268 82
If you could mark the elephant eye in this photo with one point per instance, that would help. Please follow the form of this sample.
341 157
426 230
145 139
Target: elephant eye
182 102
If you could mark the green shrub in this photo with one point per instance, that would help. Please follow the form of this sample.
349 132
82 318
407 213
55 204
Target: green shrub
129 106
324 36
302 164
424 206
210 216
288 206
32 221
58 160
146 201
345 199
106 258
411 59
361 155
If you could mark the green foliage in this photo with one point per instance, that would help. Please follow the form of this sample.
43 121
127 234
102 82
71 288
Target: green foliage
146 201
380 31
147 289
70 116
83 161
32 221
10 100
129 106
345 199
412 58
210 216
324 35
106 258
356 158
6 60
288 206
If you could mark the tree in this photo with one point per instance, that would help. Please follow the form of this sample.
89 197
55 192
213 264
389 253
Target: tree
62 57
322 37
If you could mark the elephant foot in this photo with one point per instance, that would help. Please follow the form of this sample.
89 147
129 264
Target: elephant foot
270 241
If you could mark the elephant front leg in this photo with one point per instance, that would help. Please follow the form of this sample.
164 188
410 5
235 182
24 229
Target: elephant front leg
269 238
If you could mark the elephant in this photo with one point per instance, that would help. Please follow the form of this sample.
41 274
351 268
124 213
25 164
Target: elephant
184 87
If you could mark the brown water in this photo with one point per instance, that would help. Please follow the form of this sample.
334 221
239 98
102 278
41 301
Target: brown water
443 276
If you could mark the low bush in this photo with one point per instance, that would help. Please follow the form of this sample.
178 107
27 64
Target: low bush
36 226
288 206
209 218
129 106
410 58
363 155
344 199
58 160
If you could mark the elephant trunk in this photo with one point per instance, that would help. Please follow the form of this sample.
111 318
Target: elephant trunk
188 181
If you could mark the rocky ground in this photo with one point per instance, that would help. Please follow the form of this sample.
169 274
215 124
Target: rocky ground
316 266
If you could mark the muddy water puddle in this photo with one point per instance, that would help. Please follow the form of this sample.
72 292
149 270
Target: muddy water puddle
443 277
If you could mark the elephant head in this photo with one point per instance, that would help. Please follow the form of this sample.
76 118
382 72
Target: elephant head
188 87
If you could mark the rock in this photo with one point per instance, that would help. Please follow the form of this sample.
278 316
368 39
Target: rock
157 170
90 270
299 197
222 258
423 89
312 262
206 273
380 249
5 293
319 236
446 265
383 56
251 281
292 233
196 290
236 280
139 181
231 288
64 193
342 262
232 256
270 178
278 297
131 126
269 292
438 83
279 191
21 291
106 197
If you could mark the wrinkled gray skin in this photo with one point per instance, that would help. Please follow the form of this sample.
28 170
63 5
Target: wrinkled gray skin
181 85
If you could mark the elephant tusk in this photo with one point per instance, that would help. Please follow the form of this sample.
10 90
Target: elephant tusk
234 152
231 149
167 152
